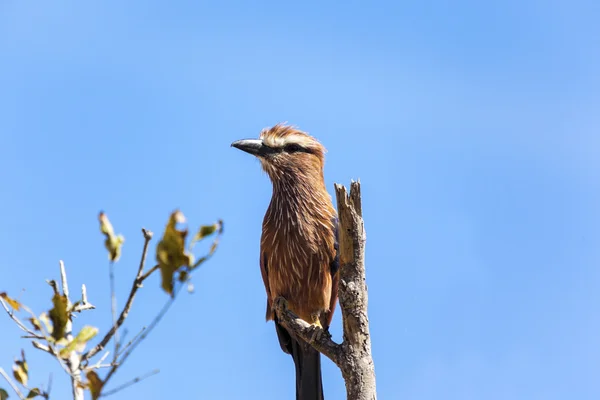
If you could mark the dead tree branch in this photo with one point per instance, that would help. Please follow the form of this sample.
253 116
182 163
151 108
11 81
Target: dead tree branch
320 339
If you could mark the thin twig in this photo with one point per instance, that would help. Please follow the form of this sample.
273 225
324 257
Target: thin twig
150 272
17 321
131 382
83 304
99 363
98 366
125 312
124 348
12 384
52 351
113 306
146 332
49 386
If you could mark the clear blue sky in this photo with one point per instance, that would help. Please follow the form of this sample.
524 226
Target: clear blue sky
473 127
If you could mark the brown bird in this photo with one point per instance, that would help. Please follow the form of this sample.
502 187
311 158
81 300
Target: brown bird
298 248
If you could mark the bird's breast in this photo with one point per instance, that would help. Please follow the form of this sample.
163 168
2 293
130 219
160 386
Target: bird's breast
298 256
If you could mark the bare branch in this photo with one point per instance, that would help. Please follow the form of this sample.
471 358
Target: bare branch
98 366
43 347
17 321
99 363
63 281
73 362
47 396
133 340
84 294
83 304
12 384
150 272
315 335
132 382
52 351
357 363
113 304
125 312
143 334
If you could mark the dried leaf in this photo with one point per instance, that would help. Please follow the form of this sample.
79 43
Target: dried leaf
3 394
34 393
86 334
59 316
94 384
21 370
113 243
46 321
37 326
11 302
170 252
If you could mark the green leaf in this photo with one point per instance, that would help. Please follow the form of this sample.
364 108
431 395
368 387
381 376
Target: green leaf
3 394
86 334
59 316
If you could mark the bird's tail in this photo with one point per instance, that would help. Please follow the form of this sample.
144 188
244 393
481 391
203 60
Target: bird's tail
307 360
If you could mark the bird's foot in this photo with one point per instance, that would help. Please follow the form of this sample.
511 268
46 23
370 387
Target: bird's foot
316 329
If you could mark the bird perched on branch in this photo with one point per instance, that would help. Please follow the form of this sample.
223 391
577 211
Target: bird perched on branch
298 248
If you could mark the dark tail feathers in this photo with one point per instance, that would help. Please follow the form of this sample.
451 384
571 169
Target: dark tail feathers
307 360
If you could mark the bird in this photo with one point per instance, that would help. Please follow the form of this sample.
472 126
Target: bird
299 252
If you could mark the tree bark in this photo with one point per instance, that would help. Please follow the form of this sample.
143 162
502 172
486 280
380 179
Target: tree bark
357 365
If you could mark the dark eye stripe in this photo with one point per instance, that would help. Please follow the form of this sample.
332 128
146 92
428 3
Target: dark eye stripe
295 148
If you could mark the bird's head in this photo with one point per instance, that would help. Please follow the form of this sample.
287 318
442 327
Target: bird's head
285 151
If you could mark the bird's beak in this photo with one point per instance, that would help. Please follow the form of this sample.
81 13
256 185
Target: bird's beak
252 146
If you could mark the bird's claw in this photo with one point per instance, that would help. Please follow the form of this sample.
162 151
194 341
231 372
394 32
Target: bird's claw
315 332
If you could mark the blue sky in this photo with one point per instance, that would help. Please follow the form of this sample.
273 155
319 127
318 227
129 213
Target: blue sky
474 130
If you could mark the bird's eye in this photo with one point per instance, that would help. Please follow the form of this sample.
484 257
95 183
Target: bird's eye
293 148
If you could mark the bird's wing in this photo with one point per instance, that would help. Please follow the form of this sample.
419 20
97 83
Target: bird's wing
334 267
265 276
285 340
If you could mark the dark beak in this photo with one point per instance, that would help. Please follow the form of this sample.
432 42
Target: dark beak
252 146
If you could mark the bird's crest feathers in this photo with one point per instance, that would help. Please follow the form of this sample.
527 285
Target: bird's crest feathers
282 135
